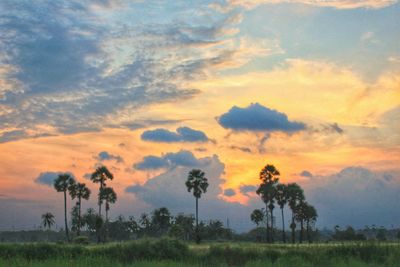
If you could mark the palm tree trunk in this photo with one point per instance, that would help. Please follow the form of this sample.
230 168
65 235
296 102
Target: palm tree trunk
106 225
266 213
65 215
293 230
301 231
283 228
101 187
272 226
78 231
197 221
106 214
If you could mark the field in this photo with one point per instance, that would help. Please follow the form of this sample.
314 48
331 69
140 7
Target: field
167 252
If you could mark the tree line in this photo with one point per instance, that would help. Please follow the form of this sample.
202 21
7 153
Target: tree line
187 227
66 184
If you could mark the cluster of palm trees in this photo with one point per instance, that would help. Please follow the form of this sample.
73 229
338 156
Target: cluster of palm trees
66 184
272 192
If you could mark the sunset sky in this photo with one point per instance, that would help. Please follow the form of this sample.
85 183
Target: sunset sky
153 89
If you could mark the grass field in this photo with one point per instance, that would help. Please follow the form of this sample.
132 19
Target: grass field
166 252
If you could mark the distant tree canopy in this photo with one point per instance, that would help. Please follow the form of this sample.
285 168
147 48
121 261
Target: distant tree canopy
348 234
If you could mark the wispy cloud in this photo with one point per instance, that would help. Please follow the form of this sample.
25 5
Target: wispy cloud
338 4
65 66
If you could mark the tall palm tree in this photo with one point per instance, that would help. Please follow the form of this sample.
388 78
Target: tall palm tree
269 177
79 191
295 196
101 175
108 195
48 220
197 182
281 198
62 184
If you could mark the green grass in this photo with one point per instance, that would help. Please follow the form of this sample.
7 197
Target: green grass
167 252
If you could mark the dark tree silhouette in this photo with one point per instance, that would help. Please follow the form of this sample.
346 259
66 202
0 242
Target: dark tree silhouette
62 184
93 222
101 175
79 191
282 198
257 216
144 220
108 195
295 196
300 216
183 226
269 177
161 219
48 220
310 218
198 183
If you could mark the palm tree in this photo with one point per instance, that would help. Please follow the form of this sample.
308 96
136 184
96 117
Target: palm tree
197 182
310 218
48 220
101 175
269 177
257 216
300 216
79 191
295 196
62 184
108 195
281 198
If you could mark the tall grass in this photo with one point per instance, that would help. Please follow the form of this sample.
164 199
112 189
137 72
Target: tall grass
169 252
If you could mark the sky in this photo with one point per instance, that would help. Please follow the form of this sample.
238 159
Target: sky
153 89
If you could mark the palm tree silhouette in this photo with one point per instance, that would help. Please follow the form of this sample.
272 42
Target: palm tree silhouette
101 175
197 182
62 184
108 195
281 198
79 191
295 197
257 216
269 177
310 218
48 220
301 216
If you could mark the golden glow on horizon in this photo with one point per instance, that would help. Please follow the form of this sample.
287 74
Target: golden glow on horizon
312 92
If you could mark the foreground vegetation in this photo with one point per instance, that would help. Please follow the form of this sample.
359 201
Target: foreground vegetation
169 252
